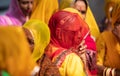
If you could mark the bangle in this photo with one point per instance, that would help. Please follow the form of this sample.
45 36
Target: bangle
108 72
104 72
113 72
35 70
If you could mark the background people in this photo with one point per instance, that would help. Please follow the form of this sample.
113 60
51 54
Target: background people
38 36
18 13
108 47
15 56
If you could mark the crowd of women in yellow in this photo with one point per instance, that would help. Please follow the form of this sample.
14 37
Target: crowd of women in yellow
48 42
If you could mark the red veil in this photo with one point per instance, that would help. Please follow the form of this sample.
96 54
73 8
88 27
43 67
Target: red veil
67 29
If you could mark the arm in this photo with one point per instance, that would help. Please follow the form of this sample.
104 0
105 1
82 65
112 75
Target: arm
100 50
100 54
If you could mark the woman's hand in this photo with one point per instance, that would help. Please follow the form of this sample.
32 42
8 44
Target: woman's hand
82 47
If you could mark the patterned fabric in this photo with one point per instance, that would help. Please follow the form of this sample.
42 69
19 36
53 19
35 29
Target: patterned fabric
67 31
60 57
47 68
14 15
91 61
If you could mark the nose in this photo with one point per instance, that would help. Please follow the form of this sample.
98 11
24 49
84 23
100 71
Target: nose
30 6
79 34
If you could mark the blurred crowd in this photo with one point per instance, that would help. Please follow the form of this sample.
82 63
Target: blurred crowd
59 38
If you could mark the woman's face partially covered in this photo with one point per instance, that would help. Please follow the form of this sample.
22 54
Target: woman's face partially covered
26 6
29 38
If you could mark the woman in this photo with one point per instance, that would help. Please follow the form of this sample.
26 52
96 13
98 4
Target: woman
38 36
85 11
66 29
108 47
109 4
89 46
15 57
18 13
43 9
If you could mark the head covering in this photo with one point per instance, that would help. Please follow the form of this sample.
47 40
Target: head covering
90 20
115 14
41 35
69 9
43 9
67 29
15 56
88 40
89 16
14 15
109 4
65 3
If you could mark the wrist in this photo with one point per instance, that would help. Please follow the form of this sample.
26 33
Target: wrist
110 72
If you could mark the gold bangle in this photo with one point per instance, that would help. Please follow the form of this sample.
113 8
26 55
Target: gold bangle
113 72
104 71
108 72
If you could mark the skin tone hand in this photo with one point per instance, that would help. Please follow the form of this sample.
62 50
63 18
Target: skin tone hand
82 47
82 51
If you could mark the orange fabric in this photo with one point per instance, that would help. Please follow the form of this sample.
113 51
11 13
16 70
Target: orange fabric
108 50
15 55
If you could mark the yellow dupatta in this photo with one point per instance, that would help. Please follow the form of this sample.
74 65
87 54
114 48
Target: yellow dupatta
65 4
41 35
72 10
15 56
90 20
43 9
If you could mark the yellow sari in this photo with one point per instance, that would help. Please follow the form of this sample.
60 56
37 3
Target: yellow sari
15 56
108 49
41 35
43 9
90 20
108 46
72 66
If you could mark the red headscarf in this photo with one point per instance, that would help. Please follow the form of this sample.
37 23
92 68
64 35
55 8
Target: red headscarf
67 29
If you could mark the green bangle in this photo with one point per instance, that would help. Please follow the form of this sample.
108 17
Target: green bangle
4 73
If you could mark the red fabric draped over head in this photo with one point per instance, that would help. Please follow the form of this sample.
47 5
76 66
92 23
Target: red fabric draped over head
67 29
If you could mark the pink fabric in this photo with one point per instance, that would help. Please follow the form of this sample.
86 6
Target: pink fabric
13 16
68 30
90 43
